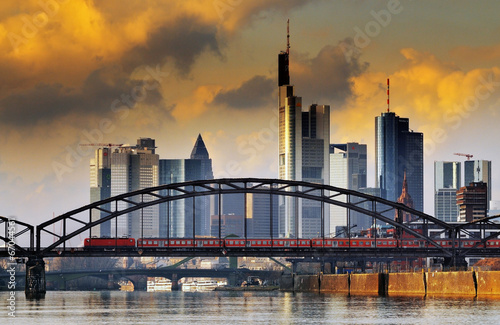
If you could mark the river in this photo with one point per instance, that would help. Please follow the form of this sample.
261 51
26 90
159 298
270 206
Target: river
223 307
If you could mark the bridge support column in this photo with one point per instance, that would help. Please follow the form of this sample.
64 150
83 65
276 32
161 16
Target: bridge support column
35 278
111 282
175 282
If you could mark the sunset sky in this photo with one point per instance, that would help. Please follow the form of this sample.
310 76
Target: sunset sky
80 71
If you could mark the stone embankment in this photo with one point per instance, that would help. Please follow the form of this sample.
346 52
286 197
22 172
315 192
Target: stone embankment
456 284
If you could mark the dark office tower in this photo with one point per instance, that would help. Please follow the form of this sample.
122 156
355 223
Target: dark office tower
398 149
283 62
176 217
146 144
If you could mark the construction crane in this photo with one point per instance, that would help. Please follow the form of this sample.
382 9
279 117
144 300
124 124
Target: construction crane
469 156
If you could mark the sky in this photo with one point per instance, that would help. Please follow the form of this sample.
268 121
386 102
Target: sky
75 72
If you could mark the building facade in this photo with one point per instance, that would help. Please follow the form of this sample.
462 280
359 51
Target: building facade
191 216
473 201
398 150
447 181
348 164
304 136
478 171
134 168
100 189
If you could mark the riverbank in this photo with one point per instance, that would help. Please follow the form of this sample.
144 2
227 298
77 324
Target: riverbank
455 284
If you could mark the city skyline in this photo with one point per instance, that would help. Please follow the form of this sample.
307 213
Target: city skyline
175 69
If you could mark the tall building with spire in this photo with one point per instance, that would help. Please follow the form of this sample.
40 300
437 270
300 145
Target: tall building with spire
176 217
398 149
304 136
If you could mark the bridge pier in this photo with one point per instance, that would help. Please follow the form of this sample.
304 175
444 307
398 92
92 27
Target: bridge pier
35 278
175 282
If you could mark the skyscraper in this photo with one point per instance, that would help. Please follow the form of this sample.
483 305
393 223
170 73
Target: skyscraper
176 217
478 171
347 170
100 188
135 168
398 149
303 153
446 183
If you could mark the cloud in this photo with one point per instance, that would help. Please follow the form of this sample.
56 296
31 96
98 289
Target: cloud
182 40
102 88
253 93
478 54
328 77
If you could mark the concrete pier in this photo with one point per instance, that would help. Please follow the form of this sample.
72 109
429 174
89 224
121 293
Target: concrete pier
35 287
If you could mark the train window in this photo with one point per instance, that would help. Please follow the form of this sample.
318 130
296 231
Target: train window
138 242
341 243
355 243
328 242
253 242
293 242
258 242
367 243
390 242
150 242
155 242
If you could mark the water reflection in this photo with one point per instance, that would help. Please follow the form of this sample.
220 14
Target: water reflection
248 307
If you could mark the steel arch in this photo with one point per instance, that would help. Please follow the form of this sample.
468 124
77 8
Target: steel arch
311 191
8 236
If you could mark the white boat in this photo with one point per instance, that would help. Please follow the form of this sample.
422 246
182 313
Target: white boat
159 285
199 285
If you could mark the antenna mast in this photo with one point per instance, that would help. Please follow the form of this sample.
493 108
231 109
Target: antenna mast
387 95
288 36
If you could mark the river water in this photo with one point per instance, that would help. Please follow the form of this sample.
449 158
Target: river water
219 307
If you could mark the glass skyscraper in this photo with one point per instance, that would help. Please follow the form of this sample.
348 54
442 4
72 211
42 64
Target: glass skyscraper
304 136
347 170
176 217
398 149
100 189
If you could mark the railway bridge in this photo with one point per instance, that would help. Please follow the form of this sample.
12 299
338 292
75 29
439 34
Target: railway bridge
436 238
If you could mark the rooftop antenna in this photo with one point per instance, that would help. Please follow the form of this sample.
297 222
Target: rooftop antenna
288 36
387 95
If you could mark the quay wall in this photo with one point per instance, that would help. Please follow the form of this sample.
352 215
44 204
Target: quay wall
406 284
456 284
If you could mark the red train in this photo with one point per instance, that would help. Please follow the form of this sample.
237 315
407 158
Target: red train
100 243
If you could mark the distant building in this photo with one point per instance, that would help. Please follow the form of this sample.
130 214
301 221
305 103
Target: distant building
176 217
478 171
473 201
446 184
347 170
398 149
134 168
100 189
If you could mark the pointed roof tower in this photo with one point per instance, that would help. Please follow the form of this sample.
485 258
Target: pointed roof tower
405 198
200 150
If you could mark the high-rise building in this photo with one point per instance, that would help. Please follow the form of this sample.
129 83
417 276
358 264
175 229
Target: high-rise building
100 189
347 170
176 218
473 201
304 136
398 149
134 168
446 184
478 171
